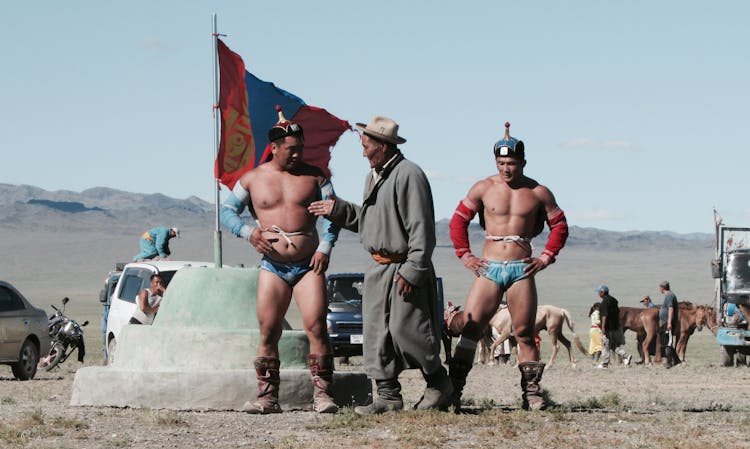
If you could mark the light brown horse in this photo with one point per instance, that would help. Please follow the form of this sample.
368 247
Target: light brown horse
645 324
692 317
548 317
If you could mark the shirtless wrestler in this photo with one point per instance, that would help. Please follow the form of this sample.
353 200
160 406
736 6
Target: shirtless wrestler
514 209
278 193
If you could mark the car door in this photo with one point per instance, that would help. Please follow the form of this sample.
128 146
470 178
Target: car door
14 323
123 302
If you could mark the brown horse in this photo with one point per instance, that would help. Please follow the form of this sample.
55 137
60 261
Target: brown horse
692 318
645 324
548 317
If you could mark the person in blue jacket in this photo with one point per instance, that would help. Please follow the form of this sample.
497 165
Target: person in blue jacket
155 243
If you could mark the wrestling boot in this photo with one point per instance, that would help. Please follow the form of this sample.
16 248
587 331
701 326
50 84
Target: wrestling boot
438 393
531 374
321 369
458 370
267 372
389 399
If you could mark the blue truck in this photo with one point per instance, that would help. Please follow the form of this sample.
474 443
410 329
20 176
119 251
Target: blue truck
344 319
731 271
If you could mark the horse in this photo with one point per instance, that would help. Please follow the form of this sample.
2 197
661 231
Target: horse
548 317
645 324
692 317
501 353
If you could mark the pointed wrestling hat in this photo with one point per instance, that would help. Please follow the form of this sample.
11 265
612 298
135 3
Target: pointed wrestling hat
509 146
284 127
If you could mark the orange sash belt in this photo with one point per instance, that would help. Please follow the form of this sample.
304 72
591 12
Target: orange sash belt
385 258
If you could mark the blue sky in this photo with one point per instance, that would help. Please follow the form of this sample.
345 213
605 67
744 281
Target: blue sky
633 113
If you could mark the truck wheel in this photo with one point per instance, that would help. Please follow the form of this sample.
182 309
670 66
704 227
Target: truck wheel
111 346
28 359
727 356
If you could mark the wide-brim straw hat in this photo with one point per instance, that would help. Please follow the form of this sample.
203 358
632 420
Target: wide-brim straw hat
382 128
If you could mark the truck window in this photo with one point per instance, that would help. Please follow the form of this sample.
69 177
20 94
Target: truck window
738 272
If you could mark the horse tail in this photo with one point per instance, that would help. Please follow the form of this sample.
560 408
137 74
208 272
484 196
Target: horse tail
571 326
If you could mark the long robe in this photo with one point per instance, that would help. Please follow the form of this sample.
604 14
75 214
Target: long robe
397 217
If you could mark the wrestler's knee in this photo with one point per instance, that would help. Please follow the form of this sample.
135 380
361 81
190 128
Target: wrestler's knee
316 328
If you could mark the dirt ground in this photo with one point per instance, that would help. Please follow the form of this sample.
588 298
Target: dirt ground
700 405
694 406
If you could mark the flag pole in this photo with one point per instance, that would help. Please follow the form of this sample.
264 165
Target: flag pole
216 112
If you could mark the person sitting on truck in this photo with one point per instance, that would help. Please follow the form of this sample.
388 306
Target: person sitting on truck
155 243
149 300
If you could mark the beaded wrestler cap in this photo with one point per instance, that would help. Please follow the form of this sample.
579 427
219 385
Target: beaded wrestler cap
509 146
284 127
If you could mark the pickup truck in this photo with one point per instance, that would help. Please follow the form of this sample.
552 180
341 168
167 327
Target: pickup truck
134 278
344 319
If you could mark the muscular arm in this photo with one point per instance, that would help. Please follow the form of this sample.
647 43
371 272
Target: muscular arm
459 227
330 229
231 209
558 231
320 259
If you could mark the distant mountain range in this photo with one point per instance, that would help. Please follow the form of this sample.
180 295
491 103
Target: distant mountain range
100 209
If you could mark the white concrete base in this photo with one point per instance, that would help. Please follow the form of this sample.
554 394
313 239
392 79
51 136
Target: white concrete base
205 390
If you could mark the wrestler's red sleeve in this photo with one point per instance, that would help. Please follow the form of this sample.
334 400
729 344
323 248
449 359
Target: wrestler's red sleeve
558 234
459 225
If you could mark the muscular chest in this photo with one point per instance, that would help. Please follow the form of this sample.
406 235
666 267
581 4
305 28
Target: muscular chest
507 202
283 189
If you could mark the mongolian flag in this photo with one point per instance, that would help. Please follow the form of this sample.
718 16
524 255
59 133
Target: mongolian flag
247 106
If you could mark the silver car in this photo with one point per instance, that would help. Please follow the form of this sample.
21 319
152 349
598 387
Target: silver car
24 332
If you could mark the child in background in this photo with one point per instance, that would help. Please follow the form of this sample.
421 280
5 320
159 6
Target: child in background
595 334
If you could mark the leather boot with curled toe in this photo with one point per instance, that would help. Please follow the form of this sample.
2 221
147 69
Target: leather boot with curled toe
267 373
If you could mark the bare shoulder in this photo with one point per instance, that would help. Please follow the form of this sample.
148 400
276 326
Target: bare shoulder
304 169
481 187
543 193
249 176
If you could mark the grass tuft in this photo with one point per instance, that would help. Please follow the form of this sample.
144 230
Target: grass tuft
69 423
609 401
169 418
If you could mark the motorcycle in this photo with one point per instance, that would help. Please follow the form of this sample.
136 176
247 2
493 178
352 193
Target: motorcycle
66 335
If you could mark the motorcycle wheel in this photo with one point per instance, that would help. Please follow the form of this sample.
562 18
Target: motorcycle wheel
56 354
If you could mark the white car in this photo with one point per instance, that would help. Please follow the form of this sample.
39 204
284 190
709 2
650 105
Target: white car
134 278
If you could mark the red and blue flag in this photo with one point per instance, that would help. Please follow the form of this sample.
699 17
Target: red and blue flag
247 106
